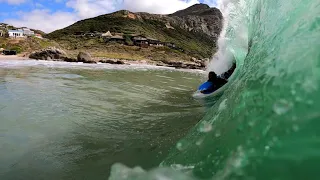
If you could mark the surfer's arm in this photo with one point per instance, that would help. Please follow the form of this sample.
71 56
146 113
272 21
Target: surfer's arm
210 89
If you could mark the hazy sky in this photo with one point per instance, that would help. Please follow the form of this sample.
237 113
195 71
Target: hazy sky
49 15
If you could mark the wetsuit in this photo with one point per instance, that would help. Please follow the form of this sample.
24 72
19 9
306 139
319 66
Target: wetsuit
216 84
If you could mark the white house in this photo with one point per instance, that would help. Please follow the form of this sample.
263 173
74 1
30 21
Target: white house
1 33
27 32
16 33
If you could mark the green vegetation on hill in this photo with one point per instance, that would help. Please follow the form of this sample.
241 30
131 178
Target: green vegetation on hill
26 45
194 44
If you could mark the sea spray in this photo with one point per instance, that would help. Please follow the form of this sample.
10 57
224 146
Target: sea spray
233 40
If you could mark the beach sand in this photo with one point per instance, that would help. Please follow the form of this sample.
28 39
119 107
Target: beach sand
12 57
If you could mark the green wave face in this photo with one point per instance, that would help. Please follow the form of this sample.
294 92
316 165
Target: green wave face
266 125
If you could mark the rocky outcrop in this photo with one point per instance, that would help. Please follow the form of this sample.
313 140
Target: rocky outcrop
197 18
193 64
112 61
85 58
197 64
49 54
55 54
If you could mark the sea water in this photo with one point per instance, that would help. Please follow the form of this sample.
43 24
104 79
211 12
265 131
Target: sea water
73 121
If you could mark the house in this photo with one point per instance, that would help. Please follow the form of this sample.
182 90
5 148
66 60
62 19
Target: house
107 34
116 38
154 42
16 33
1 33
140 41
97 34
118 34
170 45
38 36
89 34
27 32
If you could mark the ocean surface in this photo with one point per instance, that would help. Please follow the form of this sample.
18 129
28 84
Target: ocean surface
74 121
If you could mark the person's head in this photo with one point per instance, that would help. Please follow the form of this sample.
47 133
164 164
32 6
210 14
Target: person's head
212 76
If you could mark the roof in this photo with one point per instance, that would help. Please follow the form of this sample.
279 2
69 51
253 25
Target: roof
107 34
26 29
117 37
152 39
15 31
135 34
140 38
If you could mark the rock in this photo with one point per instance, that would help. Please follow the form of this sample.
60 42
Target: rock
197 18
193 59
85 58
107 61
112 61
68 59
183 65
205 62
48 54
120 62
143 62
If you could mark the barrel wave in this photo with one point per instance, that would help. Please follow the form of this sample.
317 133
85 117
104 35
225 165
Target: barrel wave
266 123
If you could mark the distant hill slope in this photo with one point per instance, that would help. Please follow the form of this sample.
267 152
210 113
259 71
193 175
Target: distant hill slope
194 29
6 27
23 45
200 18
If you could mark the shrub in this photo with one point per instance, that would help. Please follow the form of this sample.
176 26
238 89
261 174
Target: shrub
17 49
128 40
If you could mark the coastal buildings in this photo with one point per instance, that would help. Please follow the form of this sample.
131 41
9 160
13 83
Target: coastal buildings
13 32
128 39
16 33
140 41
38 36
116 38
27 32
154 42
20 33
107 34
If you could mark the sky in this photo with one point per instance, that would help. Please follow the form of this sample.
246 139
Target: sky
50 15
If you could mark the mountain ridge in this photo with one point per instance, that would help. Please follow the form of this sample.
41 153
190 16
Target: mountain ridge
194 30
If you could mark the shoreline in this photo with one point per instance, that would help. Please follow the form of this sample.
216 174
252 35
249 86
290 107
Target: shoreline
118 62
21 62
13 57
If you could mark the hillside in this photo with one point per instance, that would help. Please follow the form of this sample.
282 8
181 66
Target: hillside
194 32
23 45
26 45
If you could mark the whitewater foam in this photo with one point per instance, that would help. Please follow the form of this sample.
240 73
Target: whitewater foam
80 65
233 37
